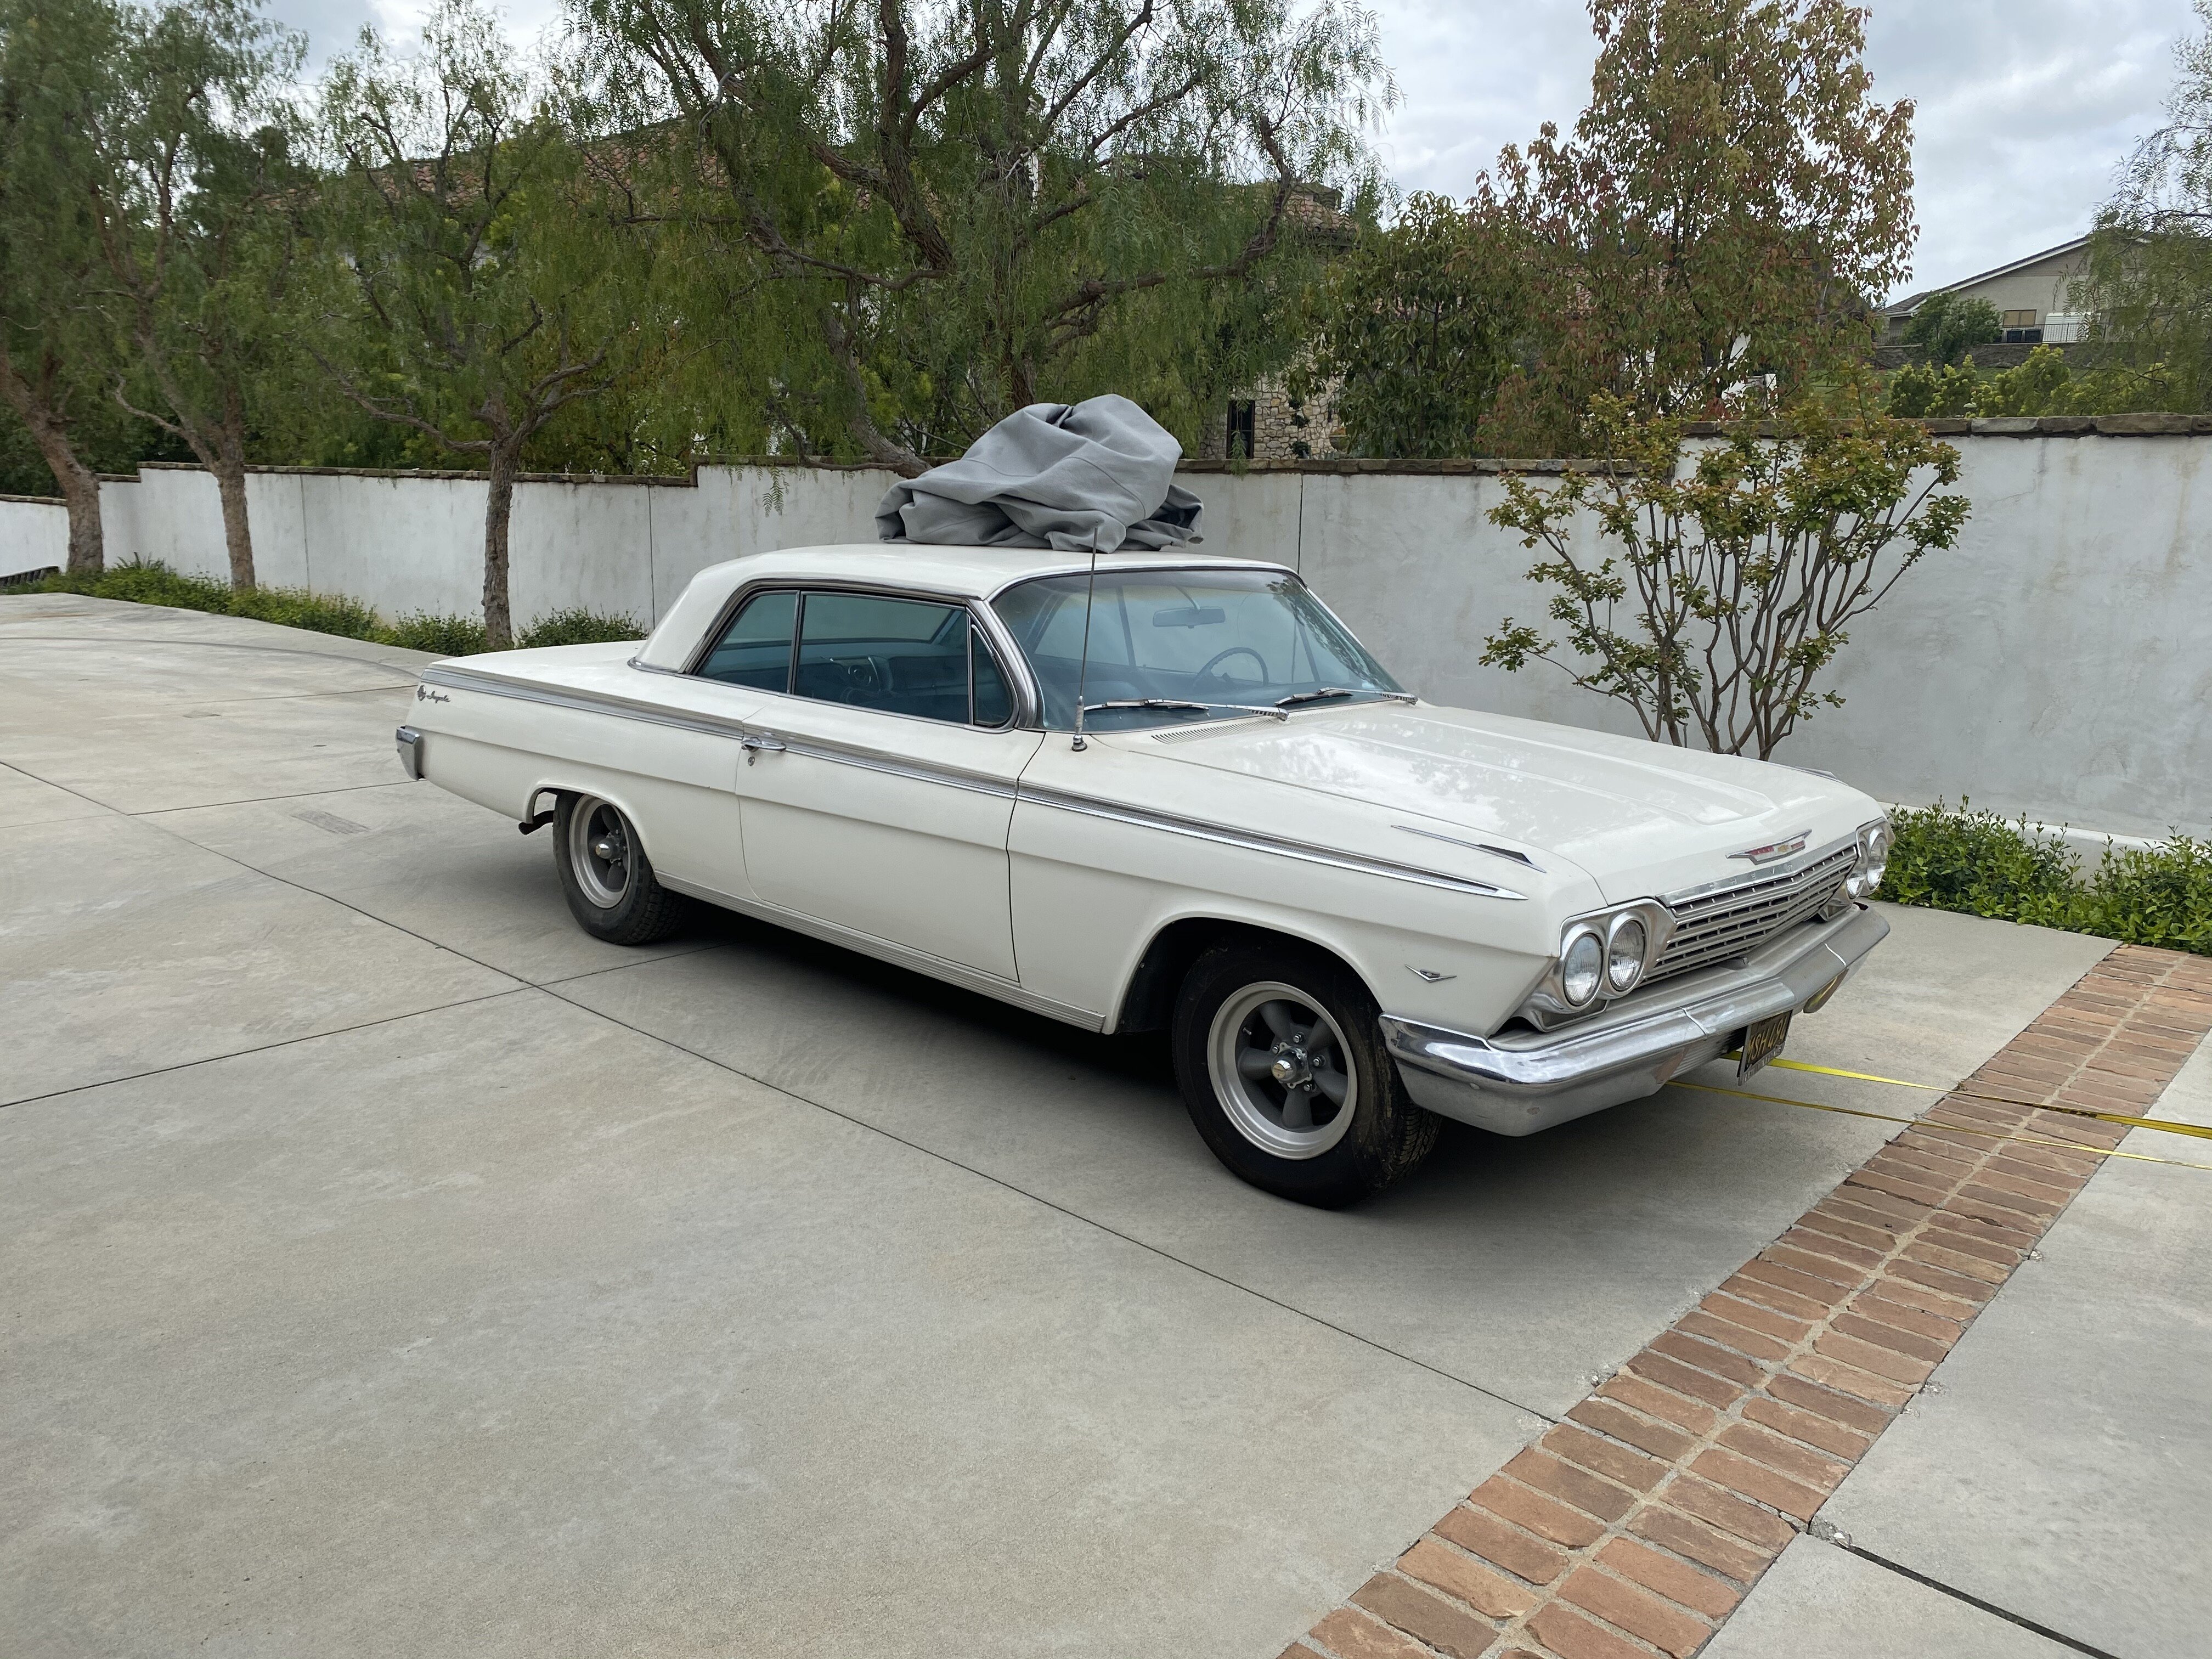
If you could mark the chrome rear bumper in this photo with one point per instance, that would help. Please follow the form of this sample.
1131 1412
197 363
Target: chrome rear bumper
1518 1084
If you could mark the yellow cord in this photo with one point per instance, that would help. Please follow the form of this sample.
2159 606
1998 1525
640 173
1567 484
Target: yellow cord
1960 1128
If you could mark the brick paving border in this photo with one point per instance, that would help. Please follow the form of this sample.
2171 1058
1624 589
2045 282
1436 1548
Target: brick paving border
1636 1526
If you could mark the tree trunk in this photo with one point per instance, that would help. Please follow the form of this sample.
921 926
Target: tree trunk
80 486
230 484
499 508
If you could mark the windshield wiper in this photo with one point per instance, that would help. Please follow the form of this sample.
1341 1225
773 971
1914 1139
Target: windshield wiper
1345 692
1179 702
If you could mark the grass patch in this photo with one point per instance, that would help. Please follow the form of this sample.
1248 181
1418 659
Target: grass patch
144 583
1957 859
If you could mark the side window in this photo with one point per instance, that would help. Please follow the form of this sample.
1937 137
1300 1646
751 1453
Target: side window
902 656
993 704
755 649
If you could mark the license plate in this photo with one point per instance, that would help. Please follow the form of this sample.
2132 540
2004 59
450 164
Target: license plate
1761 1042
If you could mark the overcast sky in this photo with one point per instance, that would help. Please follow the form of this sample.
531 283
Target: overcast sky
2026 106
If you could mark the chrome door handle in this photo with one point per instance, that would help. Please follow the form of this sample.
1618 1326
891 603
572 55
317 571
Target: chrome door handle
756 744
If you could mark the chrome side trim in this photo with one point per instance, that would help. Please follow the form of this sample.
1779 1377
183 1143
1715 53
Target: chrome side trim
874 760
722 726
590 703
719 725
1479 846
883 950
1168 822
1531 1081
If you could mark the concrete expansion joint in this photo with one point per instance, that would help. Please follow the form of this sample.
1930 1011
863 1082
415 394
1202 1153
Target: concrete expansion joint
1636 1526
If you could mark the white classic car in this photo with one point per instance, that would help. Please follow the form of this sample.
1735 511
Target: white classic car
1177 793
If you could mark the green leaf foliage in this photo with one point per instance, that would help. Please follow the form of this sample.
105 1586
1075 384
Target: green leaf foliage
2042 385
1731 193
142 582
1962 858
939 213
1726 573
1412 330
1948 325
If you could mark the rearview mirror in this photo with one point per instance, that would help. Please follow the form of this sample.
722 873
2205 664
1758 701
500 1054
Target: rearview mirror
1190 615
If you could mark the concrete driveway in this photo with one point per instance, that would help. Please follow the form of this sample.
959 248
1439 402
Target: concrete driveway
389 1267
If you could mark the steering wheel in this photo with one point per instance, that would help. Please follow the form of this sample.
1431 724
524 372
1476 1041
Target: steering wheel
1219 657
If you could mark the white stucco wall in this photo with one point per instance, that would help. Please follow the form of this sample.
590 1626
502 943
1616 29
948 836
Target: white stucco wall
2058 663
33 535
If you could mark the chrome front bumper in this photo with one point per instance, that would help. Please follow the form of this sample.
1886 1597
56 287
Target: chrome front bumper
1518 1084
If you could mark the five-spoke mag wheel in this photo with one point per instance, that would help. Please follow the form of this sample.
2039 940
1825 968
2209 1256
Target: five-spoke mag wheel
1282 1070
1278 1049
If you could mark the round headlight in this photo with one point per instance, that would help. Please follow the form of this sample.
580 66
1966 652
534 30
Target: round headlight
1624 955
1581 966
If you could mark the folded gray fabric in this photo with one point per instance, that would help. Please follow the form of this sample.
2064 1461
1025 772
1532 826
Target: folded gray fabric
1052 475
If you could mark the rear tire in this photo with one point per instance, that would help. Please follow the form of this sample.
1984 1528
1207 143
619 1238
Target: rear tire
1279 1051
606 877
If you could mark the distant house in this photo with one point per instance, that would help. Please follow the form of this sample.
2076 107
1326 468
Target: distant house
2030 297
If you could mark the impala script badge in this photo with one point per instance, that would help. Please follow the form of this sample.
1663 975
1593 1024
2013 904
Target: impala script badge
1773 850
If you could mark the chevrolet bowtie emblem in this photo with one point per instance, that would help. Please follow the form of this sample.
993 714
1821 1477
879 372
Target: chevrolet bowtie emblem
1773 850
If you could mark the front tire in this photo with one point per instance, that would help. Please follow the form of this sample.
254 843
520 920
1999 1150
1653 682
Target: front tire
1279 1051
606 877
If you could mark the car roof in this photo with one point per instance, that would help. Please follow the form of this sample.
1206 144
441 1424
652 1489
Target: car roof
965 573
973 573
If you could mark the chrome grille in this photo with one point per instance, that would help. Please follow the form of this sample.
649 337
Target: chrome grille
1737 919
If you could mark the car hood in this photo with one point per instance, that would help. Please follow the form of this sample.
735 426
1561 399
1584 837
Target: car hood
1638 817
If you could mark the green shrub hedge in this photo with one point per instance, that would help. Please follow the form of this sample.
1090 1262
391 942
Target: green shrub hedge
328 613
1959 859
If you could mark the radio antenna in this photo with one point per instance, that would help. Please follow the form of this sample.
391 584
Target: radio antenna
1083 664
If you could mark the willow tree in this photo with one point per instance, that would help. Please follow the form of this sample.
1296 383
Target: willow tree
2147 285
957 203
193 185
1721 210
57 353
471 286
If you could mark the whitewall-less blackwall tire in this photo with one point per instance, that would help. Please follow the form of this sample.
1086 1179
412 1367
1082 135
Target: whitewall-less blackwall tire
606 877
1280 1059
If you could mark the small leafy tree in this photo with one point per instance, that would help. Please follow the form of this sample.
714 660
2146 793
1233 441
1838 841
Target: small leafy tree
471 288
1414 328
1951 325
1730 572
58 86
193 166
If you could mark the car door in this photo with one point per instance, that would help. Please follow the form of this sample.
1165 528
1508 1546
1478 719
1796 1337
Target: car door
877 787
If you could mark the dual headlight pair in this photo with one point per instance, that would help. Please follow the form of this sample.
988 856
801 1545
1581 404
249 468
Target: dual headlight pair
1875 840
1607 955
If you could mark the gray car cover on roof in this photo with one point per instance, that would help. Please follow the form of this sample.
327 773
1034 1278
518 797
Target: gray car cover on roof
1052 475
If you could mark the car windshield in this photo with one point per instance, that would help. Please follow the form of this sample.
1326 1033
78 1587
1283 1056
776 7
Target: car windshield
1168 647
